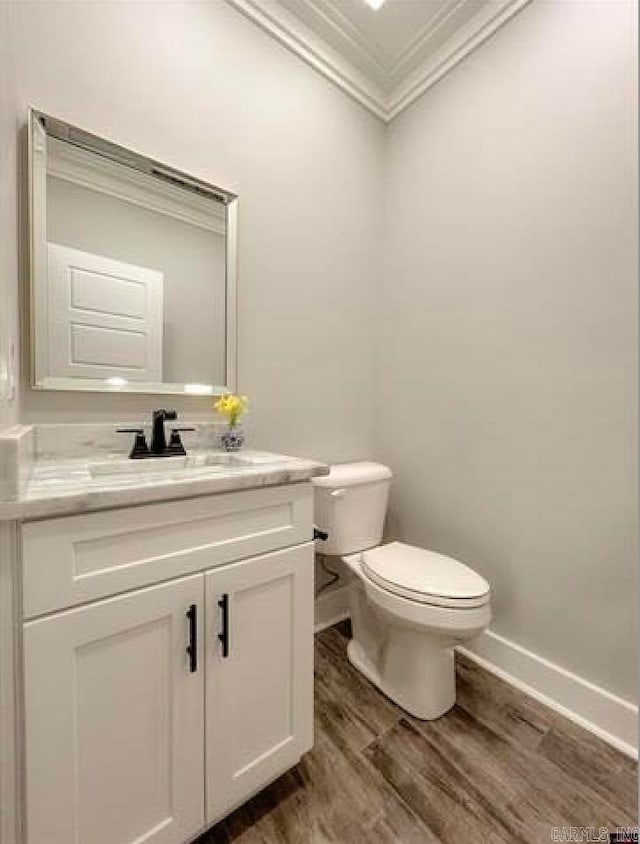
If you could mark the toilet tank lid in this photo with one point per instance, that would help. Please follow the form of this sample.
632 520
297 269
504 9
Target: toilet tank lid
349 474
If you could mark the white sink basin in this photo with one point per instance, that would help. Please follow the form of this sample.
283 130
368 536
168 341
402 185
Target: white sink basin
162 465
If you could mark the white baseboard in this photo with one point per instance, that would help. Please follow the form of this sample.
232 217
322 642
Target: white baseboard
610 717
331 607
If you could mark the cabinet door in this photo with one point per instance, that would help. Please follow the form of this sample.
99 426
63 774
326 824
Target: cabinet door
259 697
115 720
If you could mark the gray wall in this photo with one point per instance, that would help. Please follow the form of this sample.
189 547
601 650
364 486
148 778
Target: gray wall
305 161
508 343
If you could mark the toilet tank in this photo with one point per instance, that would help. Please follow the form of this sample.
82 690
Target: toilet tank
350 504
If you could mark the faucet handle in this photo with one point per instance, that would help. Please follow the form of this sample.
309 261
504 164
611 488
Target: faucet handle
176 445
140 447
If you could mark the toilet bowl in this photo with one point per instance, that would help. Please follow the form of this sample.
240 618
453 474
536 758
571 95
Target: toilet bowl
409 607
405 645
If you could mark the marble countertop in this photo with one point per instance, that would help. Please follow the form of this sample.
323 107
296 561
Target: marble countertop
81 485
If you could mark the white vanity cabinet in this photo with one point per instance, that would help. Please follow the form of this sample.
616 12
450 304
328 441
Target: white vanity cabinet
151 712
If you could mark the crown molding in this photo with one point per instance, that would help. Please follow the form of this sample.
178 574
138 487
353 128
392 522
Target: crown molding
463 42
286 28
293 34
329 12
422 36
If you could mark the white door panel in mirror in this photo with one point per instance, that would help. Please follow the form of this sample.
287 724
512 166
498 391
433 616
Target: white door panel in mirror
136 289
105 316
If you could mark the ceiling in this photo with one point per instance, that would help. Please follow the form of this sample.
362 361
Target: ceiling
387 58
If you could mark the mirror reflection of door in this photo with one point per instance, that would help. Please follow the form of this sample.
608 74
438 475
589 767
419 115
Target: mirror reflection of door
105 317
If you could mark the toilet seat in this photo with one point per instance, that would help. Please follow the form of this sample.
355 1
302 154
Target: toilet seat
442 620
425 576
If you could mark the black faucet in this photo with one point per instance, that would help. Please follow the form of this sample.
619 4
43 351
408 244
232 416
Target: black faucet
158 439
159 447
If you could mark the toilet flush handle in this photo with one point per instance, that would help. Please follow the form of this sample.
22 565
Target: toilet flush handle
338 493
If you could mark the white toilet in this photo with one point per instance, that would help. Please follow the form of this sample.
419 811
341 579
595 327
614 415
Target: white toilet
409 607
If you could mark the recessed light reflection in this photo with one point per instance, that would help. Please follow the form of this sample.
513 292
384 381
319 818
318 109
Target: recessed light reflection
116 381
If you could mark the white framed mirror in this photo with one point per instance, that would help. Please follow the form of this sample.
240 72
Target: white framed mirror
133 269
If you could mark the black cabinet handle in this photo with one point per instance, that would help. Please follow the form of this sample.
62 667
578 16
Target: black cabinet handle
223 603
192 647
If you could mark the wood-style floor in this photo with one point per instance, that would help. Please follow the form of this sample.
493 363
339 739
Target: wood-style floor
499 767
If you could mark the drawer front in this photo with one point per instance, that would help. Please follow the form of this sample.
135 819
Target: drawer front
72 560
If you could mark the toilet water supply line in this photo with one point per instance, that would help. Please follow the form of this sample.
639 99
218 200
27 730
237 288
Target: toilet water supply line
334 577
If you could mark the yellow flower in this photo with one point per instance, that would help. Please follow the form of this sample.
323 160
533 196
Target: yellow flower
231 406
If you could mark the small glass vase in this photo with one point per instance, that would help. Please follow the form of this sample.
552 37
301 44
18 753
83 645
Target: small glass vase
233 438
